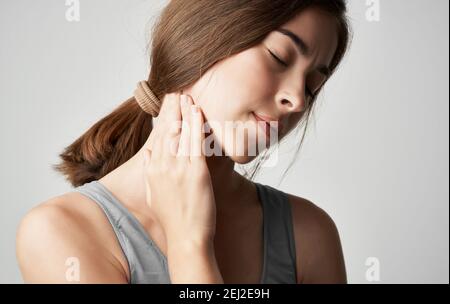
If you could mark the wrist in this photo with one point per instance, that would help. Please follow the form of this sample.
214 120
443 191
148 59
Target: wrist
202 246
193 262
192 240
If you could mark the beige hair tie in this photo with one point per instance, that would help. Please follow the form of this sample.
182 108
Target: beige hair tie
146 99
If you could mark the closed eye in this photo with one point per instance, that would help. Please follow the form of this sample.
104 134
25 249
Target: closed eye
284 64
278 59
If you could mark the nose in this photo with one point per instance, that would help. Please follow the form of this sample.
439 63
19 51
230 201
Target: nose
292 99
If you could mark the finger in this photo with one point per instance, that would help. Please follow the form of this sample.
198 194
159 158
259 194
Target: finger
171 126
170 113
158 133
164 105
197 134
174 115
184 145
166 129
170 109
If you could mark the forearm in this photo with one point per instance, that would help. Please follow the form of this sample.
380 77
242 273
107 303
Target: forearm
193 263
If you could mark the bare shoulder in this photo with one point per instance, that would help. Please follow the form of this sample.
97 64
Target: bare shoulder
62 232
318 246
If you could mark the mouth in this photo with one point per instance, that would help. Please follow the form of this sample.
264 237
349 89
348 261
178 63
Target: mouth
267 126
267 120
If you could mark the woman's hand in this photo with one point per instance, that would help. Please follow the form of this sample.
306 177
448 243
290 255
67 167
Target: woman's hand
178 182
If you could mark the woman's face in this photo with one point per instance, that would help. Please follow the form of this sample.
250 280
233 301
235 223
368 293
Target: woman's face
255 82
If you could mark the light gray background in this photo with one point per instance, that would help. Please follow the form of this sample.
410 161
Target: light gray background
376 159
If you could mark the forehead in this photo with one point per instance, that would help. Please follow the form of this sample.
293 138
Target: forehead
318 29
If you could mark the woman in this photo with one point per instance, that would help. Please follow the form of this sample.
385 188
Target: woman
147 208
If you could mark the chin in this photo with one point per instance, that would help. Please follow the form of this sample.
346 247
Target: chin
247 155
249 143
242 160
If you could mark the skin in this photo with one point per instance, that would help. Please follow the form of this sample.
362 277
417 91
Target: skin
251 81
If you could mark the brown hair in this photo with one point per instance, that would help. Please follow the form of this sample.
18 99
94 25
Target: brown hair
189 37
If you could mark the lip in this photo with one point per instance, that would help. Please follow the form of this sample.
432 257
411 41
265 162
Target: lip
268 128
268 119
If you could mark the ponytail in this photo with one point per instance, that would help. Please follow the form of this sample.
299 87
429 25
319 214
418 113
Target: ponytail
106 145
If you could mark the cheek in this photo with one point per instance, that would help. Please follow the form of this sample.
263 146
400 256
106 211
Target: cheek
255 77
237 85
247 81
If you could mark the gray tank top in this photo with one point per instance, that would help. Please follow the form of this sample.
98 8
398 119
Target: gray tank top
148 264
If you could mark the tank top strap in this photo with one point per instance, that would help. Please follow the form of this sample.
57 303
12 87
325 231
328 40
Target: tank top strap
146 262
279 243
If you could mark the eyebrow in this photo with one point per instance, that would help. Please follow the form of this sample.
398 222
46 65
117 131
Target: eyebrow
304 49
